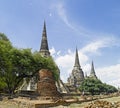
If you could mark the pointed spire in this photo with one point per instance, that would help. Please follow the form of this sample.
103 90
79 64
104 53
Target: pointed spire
85 74
44 49
77 64
77 73
92 69
92 73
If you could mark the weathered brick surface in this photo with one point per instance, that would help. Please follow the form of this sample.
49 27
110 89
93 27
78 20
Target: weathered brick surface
45 73
46 85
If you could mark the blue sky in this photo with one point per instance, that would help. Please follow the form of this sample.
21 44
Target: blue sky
91 25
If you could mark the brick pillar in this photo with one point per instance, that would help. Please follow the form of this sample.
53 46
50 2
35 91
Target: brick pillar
46 85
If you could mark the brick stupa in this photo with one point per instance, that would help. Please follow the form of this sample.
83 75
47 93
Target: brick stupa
46 84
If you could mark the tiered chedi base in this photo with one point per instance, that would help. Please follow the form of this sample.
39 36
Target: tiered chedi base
46 84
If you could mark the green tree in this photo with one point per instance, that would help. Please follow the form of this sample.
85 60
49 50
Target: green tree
5 64
17 64
21 60
45 63
95 86
109 88
3 37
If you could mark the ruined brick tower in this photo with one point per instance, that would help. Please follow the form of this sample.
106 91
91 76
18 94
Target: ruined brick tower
46 84
44 51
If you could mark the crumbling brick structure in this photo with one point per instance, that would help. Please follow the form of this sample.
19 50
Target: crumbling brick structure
46 84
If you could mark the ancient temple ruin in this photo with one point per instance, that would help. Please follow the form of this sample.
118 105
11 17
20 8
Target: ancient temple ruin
77 75
74 80
44 51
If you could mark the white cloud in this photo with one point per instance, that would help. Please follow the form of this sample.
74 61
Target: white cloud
52 51
58 53
110 74
94 46
59 9
86 68
115 82
62 13
65 61
83 57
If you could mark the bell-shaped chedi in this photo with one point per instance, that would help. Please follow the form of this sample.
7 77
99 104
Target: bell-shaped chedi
46 84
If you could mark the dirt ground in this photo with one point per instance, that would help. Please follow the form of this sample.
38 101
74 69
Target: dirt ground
7 104
82 105
10 104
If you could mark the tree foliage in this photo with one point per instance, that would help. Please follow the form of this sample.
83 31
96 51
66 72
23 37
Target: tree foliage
95 86
3 37
17 64
5 64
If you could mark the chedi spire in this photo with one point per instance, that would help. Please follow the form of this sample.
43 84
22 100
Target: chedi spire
77 63
92 73
77 75
44 49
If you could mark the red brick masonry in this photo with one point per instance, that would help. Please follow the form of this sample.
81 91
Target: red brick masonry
46 85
